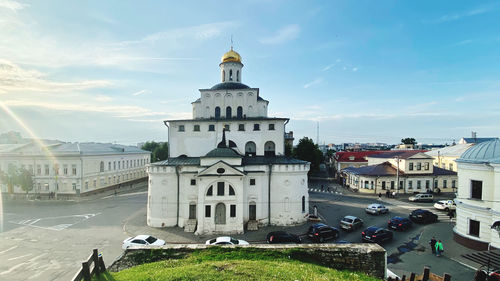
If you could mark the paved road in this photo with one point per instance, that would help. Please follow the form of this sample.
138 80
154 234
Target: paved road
47 240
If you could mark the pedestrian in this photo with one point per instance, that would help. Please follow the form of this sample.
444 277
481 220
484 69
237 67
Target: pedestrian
451 214
321 188
439 248
433 244
394 194
380 195
387 194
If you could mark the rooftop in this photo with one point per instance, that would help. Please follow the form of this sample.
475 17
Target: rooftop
402 154
454 150
354 156
484 152
247 160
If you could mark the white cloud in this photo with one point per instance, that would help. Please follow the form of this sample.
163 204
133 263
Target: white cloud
354 69
283 35
463 42
14 78
457 16
141 92
314 82
102 98
12 5
328 67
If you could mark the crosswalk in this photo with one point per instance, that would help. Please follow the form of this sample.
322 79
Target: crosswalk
325 190
442 215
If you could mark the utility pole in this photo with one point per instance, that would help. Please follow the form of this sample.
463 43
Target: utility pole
397 175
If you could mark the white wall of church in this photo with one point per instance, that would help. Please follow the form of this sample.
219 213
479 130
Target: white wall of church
246 98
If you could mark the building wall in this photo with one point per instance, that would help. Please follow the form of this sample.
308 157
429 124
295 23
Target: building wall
195 144
246 98
446 162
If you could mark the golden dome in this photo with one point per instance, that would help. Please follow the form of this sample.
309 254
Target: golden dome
231 56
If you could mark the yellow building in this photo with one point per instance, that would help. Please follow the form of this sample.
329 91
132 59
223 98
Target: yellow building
445 157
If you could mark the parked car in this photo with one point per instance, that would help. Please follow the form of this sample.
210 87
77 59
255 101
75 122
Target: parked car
321 232
376 234
350 223
399 223
282 237
142 240
225 240
423 216
422 197
376 209
445 205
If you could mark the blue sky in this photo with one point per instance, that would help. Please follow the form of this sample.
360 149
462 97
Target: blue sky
367 71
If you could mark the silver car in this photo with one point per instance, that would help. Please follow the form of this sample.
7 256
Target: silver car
376 209
351 223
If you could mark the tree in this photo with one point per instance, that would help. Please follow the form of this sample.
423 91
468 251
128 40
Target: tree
25 180
308 151
9 177
17 177
409 141
159 150
288 149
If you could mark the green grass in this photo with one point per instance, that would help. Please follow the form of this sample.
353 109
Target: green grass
233 264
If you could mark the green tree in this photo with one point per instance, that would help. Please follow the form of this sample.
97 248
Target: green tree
409 141
288 149
159 150
25 180
308 151
9 177
17 177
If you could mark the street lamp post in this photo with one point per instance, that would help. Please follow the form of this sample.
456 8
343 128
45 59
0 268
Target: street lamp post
397 175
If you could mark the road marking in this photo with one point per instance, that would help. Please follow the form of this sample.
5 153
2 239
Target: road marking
20 257
126 194
57 227
11 248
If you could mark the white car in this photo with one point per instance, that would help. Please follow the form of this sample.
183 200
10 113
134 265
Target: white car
142 240
225 240
376 209
445 205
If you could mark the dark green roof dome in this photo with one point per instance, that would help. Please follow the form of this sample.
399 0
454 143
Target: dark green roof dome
223 152
229 86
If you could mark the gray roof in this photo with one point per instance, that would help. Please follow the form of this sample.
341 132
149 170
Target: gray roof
484 152
453 151
229 86
247 161
387 169
476 140
223 152
71 148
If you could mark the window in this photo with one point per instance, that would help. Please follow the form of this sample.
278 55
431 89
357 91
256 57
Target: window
109 166
476 189
411 167
231 190
419 166
220 189
226 127
271 127
181 128
252 181
445 183
192 211
303 204
86 185
210 191
73 170
451 166
228 112
74 186
435 184
95 183
207 211
196 128
474 228
453 184
114 165
232 211
101 167
256 127
392 184
46 169
46 185
239 112
269 148
426 166
241 127
366 184
427 184
230 75
238 75
211 128
419 184
119 165
217 112
250 148
401 184
383 185
410 184
193 182
38 169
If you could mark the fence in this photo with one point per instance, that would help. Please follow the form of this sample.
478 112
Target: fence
427 276
96 262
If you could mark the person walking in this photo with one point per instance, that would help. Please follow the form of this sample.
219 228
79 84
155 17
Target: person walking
439 248
433 244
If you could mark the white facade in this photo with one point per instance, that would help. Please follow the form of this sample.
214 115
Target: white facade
213 186
73 168
478 198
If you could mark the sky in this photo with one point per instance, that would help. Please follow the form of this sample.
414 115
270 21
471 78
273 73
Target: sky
365 71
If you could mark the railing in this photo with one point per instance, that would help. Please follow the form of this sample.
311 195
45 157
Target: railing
427 276
95 262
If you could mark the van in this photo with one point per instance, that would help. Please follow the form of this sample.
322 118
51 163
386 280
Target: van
423 197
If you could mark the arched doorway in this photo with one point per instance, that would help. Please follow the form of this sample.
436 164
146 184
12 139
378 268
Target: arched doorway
269 148
228 112
220 213
239 112
250 149
252 211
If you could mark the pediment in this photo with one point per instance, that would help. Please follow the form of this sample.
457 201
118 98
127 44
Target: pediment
420 155
220 168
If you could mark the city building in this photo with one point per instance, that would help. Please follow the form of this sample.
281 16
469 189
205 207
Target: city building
69 169
478 198
227 168
344 159
405 171
445 157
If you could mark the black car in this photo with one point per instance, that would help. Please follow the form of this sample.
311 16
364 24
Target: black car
282 237
376 234
399 223
423 216
321 232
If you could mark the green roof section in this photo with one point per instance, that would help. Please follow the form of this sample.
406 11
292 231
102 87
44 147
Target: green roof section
247 161
223 152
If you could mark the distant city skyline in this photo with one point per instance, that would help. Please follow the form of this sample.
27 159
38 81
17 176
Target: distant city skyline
366 71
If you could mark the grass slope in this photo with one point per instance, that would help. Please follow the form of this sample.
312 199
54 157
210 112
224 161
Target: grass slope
219 263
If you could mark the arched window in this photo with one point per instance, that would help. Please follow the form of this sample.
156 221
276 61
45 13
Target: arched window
228 112
230 75
101 168
269 149
217 112
250 149
231 190
303 204
223 76
210 191
238 76
239 112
